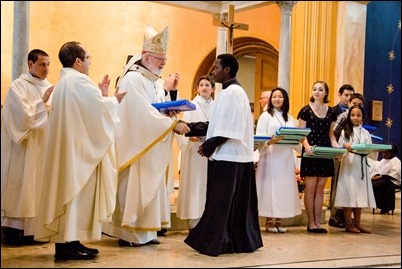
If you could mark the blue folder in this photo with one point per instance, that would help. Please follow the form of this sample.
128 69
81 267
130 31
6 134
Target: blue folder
377 138
180 105
261 138
369 128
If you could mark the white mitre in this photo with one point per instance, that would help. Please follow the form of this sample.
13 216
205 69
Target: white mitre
154 41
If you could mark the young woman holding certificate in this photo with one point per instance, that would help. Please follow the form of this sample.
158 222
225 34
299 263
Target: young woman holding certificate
318 116
277 192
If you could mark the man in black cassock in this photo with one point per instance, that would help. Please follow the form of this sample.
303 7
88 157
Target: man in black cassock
229 223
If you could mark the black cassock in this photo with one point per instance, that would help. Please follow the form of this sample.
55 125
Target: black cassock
229 223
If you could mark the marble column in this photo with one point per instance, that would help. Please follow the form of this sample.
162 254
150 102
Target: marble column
20 38
286 8
221 41
350 45
221 46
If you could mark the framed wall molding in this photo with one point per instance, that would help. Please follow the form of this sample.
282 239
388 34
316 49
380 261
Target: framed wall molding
376 110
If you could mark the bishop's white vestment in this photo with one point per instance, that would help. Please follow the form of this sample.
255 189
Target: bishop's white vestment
144 146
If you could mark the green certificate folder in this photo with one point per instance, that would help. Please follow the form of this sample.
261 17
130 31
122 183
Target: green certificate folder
292 135
367 148
324 152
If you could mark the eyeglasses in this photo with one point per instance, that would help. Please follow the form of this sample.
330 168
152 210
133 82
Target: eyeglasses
263 97
158 58
88 57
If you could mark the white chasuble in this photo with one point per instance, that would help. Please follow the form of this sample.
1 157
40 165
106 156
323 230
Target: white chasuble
79 192
144 146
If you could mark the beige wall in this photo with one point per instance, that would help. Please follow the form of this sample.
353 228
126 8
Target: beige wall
112 30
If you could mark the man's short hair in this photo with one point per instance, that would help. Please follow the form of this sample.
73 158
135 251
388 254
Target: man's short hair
345 87
228 60
33 55
356 95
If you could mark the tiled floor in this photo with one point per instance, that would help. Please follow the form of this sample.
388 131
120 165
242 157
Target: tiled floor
295 249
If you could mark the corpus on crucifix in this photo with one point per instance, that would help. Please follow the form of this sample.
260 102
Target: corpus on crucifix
231 25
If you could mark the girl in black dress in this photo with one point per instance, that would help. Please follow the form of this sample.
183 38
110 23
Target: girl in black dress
320 118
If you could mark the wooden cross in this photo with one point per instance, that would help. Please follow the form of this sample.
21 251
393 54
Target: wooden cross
230 25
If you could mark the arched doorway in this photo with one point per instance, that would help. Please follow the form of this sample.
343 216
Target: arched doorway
266 65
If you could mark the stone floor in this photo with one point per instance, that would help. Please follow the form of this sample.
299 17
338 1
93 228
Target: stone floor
295 249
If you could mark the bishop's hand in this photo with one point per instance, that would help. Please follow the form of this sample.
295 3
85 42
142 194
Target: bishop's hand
171 82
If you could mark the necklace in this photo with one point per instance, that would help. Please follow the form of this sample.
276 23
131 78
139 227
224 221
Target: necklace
276 116
358 137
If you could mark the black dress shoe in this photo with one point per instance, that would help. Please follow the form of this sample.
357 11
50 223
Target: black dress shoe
13 237
73 255
153 242
78 245
336 223
162 232
66 251
123 243
384 212
322 231
313 230
29 240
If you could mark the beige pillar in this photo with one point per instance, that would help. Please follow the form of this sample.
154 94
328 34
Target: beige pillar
20 38
221 41
350 47
286 8
221 45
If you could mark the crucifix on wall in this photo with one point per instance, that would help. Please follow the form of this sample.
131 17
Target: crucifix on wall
231 26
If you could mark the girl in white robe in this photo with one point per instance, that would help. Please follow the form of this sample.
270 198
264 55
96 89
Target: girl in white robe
193 168
277 191
354 189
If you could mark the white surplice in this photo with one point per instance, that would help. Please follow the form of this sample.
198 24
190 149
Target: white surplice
354 187
277 190
79 189
226 123
193 168
144 146
390 167
23 138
